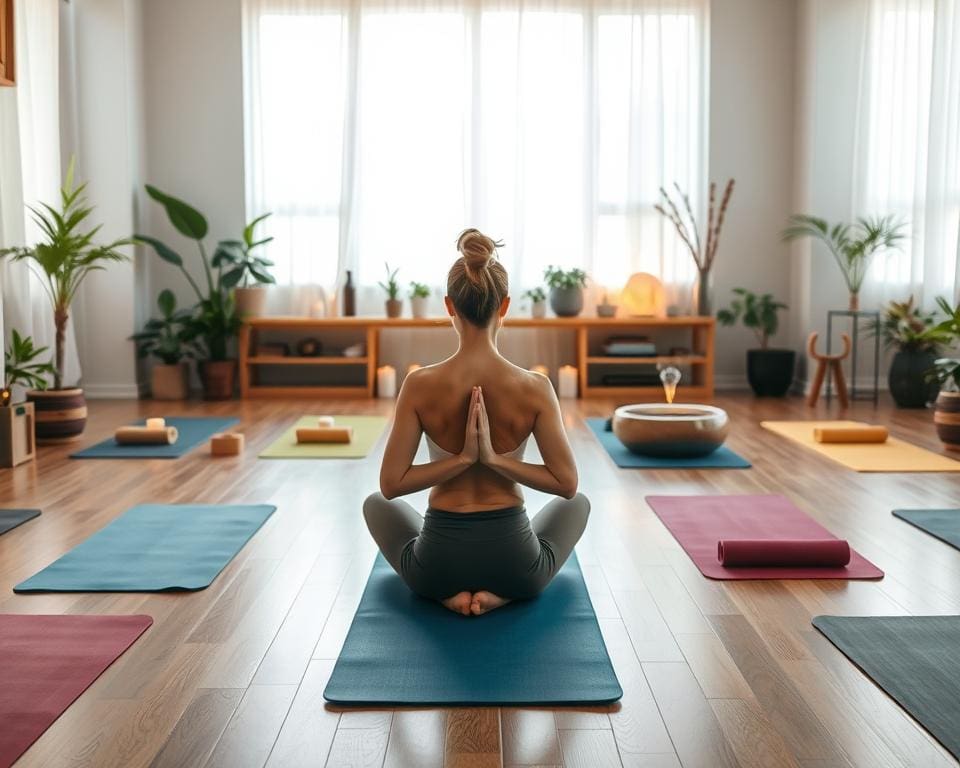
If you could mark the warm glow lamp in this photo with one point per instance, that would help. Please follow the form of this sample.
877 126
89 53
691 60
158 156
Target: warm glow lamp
643 296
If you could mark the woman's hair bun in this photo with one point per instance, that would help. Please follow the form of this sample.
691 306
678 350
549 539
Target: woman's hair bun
477 248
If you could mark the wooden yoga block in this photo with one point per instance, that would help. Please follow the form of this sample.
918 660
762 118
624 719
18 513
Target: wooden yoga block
325 434
865 434
17 443
226 444
325 421
146 436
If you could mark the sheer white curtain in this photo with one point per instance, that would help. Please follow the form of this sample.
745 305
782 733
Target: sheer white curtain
908 154
376 131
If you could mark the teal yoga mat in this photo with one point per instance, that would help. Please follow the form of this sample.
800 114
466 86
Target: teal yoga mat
942 523
404 649
722 458
154 548
915 659
193 431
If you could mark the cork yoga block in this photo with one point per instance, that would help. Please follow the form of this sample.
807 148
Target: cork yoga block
325 434
226 444
146 435
866 434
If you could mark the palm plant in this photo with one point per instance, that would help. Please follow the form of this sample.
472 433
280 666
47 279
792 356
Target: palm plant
758 312
20 364
67 256
852 246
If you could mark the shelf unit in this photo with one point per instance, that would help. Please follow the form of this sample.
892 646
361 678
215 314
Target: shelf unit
701 331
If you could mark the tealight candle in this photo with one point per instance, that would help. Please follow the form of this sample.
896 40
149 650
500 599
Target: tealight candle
325 421
386 381
156 423
567 381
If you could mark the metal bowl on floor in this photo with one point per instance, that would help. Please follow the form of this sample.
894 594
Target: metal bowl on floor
676 430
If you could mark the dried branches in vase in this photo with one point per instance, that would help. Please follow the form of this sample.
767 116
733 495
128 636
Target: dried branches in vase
703 251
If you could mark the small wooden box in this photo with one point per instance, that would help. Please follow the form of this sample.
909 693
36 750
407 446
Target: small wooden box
226 444
17 441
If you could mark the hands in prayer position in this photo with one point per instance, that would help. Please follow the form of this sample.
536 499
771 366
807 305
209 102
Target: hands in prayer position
477 445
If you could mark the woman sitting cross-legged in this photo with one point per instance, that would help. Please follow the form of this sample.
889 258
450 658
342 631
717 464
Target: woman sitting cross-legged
476 549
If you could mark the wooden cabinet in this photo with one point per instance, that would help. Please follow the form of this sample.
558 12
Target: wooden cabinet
7 55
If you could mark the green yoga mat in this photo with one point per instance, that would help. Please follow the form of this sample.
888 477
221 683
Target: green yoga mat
403 649
154 548
942 523
366 433
623 457
914 659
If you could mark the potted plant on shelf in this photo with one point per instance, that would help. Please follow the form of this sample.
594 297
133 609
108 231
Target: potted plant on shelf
946 372
419 295
61 262
214 321
917 340
169 339
538 301
566 290
852 246
394 304
246 273
769 371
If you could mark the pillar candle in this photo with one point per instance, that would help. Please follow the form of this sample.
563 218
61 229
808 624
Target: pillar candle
386 381
541 369
567 381
156 423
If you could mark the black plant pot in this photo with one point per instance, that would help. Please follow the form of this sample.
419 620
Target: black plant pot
770 371
907 379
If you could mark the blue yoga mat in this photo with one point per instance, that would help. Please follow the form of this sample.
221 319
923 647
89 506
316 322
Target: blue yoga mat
404 649
152 548
942 523
193 431
722 458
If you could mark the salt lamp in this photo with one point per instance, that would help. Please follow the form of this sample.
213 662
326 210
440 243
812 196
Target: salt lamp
643 296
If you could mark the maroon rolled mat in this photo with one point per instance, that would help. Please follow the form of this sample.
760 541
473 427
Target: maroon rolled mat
820 553
46 662
699 523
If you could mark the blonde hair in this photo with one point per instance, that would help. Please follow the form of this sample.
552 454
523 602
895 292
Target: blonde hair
477 283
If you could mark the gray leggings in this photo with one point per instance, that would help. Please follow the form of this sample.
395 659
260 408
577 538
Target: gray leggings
501 551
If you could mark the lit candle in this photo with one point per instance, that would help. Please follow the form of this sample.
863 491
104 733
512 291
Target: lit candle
386 381
325 421
318 309
541 369
567 381
156 423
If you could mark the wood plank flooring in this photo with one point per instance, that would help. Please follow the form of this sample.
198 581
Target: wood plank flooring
714 673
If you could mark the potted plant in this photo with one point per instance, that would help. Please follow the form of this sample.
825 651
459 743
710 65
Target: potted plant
394 305
61 261
769 371
20 367
566 290
419 295
247 274
538 301
214 321
946 373
170 340
852 246
917 341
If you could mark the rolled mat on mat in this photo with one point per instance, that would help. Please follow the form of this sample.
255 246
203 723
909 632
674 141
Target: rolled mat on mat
780 553
774 528
191 432
366 432
864 434
46 662
944 524
403 649
153 548
722 458
914 659
324 434
146 435
890 456
11 518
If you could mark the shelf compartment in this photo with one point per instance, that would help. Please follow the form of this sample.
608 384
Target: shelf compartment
295 360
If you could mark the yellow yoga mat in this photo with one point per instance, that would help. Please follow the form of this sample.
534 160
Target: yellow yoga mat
366 433
892 456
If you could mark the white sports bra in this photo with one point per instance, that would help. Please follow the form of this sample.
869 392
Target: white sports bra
436 452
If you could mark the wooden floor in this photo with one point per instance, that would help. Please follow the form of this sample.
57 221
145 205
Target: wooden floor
714 673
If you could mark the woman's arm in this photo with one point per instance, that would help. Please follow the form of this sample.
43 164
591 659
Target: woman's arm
558 473
398 474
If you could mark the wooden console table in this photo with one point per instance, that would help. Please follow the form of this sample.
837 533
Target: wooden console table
700 330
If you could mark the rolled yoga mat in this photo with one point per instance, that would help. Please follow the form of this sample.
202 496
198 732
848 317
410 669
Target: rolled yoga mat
46 662
191 433
11 518
367 431
942 523
145 435
781 552
866 434
914 659
330 435
699 523
892 456
623 457
154 548
403 649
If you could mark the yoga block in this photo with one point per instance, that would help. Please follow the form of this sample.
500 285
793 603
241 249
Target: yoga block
226 444
17 440
325 434
146 435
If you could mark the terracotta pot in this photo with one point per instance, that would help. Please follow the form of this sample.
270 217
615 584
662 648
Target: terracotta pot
169 382
946 418
394 307
61 414
218 377
250 301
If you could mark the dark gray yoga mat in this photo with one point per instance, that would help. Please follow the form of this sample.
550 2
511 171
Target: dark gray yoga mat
192 432
942 523
11 518
403 649
915 659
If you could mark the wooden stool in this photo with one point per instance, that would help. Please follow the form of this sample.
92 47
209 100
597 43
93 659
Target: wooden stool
826 364
226 444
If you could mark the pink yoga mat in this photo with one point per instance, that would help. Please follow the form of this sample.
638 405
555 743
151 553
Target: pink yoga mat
46 662
771 525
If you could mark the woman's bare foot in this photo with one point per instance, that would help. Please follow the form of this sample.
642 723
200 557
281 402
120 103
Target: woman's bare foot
484 602
459 603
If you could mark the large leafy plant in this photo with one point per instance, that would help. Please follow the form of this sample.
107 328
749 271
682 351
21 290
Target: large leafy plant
169 338
905 327
564 278
946 370
237 258
66 256
20 364
757 311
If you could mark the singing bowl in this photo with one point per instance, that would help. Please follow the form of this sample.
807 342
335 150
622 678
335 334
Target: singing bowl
674 431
